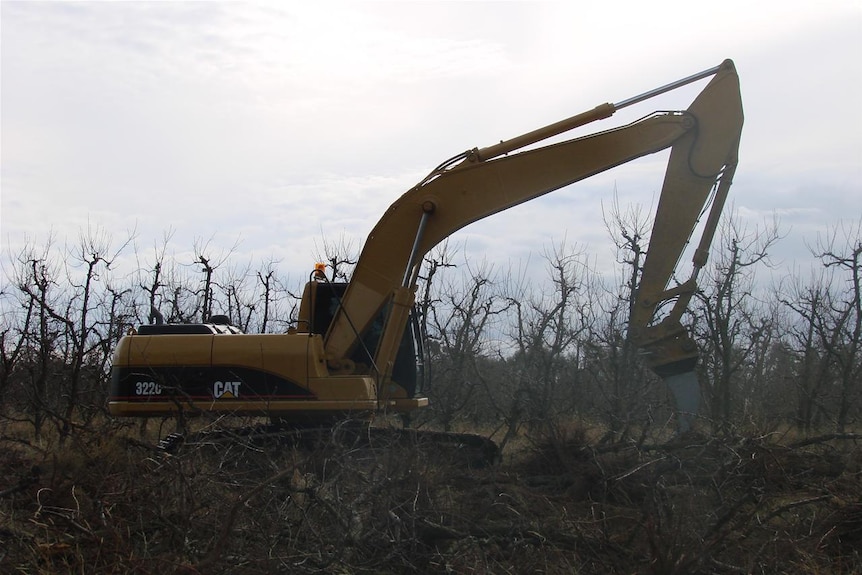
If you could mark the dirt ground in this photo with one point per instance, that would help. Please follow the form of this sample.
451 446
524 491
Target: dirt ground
105 501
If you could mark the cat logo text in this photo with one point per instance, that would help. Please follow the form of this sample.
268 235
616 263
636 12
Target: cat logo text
226 389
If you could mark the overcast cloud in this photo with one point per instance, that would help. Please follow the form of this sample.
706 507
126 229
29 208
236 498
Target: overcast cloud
280 125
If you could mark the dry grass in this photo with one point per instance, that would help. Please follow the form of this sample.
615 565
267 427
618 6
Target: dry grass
106 503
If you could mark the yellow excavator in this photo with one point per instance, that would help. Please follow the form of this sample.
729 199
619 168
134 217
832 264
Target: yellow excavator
355 352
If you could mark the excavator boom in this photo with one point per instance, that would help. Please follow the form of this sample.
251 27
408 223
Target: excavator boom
703 139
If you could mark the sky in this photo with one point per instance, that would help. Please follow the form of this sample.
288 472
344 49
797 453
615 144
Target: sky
270 129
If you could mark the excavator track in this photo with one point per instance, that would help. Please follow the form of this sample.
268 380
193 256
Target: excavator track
463 449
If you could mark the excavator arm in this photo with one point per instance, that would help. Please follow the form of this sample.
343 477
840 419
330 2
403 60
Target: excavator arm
703 139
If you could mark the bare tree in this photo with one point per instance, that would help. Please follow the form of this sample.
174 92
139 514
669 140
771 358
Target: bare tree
457 319
93 256
209 265
269 285
14 331
237 296
811 374
727 307
340 255
36 279
152 283
841 330
547 335
620 378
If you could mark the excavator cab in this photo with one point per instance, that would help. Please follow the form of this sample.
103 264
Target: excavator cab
321 301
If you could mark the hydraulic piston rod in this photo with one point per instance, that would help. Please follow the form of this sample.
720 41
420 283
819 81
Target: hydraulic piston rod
598 113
